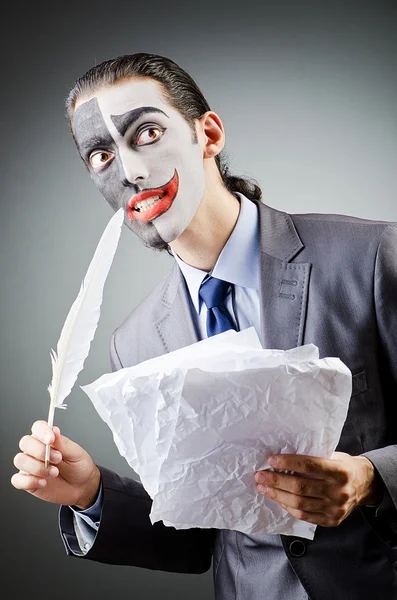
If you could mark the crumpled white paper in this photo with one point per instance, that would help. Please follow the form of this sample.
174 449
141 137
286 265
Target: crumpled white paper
197 423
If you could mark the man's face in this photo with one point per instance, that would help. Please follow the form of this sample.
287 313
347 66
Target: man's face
142 156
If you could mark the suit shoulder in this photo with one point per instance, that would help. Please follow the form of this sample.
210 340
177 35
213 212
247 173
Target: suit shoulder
338 220
344 229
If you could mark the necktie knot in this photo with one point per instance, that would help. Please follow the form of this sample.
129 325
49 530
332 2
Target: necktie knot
213 292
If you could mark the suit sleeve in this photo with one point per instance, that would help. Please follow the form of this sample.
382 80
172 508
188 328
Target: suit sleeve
126 535
384 519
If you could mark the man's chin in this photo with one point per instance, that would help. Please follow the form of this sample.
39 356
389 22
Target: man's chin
148 234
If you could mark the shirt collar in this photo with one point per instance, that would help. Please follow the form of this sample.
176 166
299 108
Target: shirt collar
238 262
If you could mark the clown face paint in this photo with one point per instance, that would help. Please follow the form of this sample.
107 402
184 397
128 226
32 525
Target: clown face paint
142 156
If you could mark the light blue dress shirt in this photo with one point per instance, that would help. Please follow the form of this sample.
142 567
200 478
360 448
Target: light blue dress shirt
238 263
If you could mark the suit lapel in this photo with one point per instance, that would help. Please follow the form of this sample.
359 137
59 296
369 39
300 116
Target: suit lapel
283 285
175 325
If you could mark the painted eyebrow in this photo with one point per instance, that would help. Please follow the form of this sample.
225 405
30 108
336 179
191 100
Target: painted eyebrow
96 141
123 122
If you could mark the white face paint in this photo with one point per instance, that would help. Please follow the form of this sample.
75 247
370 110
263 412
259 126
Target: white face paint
134 144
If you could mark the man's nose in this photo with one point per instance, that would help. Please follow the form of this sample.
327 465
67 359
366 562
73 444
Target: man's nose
134 168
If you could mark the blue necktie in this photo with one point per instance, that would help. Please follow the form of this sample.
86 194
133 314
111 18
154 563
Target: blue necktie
213 292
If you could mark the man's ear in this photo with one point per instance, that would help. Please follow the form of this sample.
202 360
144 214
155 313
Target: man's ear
211 134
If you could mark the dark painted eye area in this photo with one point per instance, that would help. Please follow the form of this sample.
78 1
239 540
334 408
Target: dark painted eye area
99 159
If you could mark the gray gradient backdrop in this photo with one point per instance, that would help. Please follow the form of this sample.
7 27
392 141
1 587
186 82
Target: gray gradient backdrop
308 96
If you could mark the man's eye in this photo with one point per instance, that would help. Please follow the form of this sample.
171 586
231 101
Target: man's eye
149 135
99 159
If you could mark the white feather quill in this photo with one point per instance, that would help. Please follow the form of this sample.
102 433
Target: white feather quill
82 320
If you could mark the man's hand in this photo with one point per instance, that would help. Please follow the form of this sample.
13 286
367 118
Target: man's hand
75 480
320 491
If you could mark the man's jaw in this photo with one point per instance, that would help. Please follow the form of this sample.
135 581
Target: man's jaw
151 203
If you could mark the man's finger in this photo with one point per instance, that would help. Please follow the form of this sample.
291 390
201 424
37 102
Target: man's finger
303 503
42 431
312 466
300 486
29 483
35 467
310 517
32 446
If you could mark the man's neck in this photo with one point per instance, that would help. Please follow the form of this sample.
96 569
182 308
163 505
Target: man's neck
202 242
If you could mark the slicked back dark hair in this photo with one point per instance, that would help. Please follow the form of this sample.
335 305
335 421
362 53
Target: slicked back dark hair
178 88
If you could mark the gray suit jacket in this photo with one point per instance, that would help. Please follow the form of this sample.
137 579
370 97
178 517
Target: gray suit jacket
329 280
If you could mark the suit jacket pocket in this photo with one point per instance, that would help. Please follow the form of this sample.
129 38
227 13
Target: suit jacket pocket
359 383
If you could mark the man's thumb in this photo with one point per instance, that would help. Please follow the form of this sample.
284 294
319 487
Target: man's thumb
69 449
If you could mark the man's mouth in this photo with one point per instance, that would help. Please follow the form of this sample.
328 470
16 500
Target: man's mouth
151 203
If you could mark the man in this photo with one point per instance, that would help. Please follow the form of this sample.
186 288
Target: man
151 144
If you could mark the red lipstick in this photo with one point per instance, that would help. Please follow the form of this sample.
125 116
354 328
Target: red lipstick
164 195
